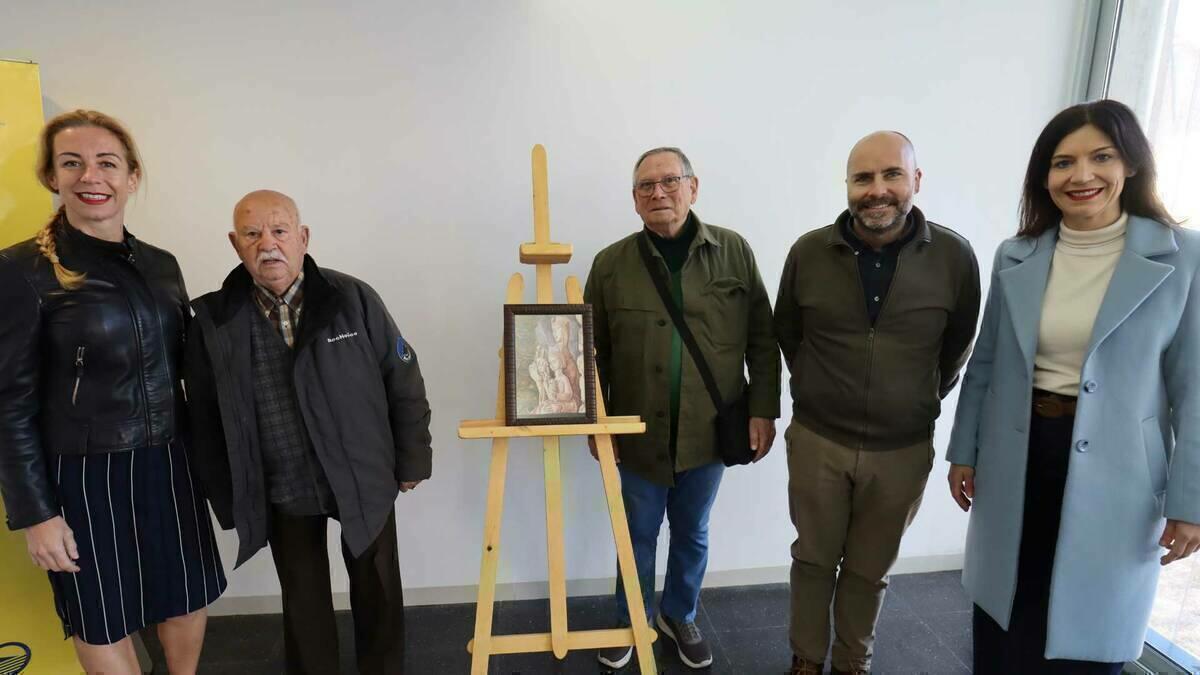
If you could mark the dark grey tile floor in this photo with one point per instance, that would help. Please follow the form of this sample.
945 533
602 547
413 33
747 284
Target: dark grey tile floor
925 627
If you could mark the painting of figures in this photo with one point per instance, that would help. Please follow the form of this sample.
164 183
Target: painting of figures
549 364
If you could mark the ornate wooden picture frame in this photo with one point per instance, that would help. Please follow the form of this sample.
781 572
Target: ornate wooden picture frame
549 365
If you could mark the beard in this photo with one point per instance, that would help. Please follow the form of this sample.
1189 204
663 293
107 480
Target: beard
877 224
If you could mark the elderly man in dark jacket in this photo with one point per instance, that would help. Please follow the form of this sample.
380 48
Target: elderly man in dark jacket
307 404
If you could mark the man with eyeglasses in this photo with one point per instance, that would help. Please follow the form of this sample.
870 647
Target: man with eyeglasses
645 369
875 315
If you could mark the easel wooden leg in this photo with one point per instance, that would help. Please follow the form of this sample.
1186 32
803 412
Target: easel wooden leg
643 635
555 554
481 646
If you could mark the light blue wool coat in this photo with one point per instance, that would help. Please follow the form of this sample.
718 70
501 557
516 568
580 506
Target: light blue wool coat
1135 450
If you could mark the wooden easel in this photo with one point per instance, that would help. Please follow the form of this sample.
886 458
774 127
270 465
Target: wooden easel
543 254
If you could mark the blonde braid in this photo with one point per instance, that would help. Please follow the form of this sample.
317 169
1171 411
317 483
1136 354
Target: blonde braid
68 279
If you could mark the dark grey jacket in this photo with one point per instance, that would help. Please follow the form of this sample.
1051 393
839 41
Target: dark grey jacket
361 395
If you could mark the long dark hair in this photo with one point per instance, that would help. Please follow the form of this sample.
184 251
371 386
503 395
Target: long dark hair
1117 121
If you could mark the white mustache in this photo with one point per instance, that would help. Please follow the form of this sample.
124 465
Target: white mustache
271 255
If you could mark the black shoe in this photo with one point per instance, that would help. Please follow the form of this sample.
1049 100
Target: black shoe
693 648
614 657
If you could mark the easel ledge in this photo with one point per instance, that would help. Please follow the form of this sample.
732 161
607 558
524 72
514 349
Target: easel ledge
611 426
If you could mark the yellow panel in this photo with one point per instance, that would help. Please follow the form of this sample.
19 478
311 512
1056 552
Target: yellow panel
28 608
24 203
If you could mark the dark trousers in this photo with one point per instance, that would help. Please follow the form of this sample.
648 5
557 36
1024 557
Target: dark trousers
1022 648
376 598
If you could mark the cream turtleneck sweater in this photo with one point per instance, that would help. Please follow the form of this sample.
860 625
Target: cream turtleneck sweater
1083 265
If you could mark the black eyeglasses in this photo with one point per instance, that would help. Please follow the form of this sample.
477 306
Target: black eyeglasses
669 184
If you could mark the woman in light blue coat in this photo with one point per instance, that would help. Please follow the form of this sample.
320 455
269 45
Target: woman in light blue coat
1076 445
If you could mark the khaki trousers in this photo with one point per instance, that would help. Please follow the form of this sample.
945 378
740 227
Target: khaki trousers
850 509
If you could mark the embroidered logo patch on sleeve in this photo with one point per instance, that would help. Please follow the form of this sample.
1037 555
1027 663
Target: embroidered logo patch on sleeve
403 351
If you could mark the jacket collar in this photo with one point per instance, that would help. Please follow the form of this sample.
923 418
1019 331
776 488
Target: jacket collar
704 235
1135 277
916 217
238 285
75 243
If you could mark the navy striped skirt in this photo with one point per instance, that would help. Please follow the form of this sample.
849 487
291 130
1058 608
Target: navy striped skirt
145 539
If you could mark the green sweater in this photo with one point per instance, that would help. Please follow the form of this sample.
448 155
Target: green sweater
729 311
675 253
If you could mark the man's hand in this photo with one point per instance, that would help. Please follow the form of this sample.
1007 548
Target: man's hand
407 485
1181 539
595 454
52 545
762 435
962 485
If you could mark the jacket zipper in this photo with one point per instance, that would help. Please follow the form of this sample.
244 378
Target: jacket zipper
171 384
871 344
78 373
870 348
882 308
137 329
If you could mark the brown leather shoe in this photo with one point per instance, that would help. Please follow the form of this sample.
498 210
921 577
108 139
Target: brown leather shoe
802 666
852 671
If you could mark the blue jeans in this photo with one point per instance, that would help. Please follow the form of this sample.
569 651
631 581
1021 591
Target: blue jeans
686 506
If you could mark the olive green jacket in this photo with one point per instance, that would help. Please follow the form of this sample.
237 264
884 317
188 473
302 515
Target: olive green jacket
876 387
729 312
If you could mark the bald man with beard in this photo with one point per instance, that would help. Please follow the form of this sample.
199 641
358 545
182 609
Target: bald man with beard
875 316
307 404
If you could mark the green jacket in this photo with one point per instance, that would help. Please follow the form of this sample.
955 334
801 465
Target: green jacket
728 310
876 387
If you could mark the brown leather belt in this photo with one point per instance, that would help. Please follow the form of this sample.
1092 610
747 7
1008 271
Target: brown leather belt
1052 406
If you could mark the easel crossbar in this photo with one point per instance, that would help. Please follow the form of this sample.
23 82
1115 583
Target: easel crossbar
541 642
604 425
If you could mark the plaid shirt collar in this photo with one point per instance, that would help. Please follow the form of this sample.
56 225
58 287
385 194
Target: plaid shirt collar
284 310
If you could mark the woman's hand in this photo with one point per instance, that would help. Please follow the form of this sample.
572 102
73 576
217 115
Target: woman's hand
1181 539
962 485
52 545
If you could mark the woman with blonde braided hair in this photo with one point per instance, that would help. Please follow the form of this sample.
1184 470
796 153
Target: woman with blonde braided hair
93 468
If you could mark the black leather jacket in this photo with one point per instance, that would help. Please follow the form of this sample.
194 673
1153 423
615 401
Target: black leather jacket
88 371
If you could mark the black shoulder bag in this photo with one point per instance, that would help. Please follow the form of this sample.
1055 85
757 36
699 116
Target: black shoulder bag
733 419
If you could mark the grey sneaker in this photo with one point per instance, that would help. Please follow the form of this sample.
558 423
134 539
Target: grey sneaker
614 657
692 647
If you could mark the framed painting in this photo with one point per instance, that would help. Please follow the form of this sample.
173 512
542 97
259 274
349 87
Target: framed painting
549 365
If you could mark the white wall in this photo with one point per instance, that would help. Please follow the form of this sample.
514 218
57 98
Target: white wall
404 129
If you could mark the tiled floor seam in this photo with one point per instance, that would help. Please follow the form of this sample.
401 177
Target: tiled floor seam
937 636
716 638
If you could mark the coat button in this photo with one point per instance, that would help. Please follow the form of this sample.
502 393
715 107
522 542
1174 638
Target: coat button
660 414
1090 386
1081 446
662 322
658 369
